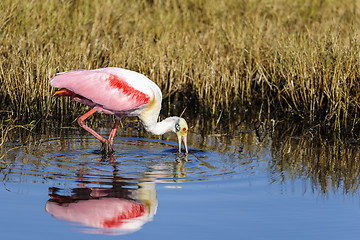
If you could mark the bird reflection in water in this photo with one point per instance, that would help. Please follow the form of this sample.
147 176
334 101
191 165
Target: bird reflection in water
119 206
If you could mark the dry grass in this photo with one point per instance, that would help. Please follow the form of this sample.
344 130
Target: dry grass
299 57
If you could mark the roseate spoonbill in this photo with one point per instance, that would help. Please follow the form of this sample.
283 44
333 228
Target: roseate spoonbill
120 92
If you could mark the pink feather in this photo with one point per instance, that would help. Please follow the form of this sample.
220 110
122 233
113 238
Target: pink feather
108 90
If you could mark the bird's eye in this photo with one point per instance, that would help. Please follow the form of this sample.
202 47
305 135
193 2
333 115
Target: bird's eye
177 127
184 129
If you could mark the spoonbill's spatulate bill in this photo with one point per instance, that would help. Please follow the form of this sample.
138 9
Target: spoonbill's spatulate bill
120 92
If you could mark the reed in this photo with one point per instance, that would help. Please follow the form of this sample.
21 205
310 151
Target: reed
296 58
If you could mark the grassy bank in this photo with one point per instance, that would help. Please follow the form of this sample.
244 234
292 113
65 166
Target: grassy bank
298 58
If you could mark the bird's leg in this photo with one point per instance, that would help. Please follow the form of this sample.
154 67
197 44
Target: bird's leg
106 148
90 130
113 131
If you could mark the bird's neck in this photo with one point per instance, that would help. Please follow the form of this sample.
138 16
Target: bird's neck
159 128
149 117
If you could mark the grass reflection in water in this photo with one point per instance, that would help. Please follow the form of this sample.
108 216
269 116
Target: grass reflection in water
284 153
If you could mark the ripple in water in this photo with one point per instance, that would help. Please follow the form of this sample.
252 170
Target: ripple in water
114 196
134 159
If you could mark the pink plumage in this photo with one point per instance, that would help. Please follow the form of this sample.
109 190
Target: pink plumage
109 91
120 92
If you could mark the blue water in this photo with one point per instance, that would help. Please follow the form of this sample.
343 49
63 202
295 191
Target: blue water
60 189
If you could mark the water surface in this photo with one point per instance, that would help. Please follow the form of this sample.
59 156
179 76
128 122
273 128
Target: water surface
247 185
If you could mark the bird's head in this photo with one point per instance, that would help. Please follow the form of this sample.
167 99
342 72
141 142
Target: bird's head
181 129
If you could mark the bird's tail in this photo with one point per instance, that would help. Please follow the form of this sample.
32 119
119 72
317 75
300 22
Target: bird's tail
64 92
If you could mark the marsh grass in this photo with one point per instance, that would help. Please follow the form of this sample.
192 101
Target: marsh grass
292 58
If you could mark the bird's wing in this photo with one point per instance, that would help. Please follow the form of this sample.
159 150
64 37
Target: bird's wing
112 91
